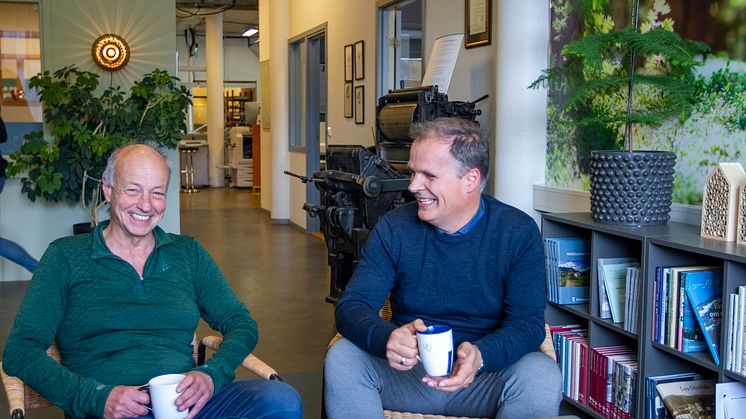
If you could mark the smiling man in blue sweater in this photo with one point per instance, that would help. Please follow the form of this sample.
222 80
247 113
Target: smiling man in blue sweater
455 257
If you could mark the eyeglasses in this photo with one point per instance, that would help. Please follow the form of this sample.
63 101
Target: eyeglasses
137 192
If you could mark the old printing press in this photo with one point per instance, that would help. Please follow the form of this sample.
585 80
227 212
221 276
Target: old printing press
359 186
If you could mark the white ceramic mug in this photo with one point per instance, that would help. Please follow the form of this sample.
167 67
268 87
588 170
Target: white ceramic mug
163 396
436 350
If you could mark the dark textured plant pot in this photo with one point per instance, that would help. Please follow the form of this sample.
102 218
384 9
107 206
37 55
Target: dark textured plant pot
631 188
82 228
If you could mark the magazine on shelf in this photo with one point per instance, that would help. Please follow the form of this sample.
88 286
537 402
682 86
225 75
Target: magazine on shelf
730 400
705 296
615 279
689 399
603 298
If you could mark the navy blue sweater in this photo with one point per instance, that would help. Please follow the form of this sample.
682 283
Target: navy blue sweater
488 284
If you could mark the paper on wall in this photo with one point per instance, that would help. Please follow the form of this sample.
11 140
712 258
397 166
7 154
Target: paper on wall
442 62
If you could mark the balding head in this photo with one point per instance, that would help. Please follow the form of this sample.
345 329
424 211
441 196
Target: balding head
136 151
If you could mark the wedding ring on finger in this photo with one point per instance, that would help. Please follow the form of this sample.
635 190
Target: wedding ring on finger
402 361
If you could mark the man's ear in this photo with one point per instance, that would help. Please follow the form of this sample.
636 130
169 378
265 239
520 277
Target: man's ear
107 190
473 179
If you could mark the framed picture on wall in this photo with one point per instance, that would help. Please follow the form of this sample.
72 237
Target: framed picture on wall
348 62
348 100
478 23
359 104
359 60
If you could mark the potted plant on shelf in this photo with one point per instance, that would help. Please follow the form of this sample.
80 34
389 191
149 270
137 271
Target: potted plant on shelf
607 93
86 127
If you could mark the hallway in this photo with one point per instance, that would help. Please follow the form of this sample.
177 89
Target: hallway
278 271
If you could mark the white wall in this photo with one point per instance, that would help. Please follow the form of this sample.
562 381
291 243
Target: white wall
513 118
68 29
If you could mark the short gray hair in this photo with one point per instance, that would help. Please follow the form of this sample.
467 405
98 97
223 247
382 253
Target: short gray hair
469 147
111 164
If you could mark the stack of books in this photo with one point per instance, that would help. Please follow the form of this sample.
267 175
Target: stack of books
567 262
735 340
687 308
571 346
688 399
618 291
612 381
654 407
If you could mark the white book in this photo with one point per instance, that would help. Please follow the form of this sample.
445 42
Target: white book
627 300
637 273
741 354
734 332
730 328
604 308
739 329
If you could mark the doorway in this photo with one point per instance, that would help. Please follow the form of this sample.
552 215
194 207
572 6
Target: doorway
308 107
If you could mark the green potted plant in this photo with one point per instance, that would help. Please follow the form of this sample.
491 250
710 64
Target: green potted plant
607 92
86 127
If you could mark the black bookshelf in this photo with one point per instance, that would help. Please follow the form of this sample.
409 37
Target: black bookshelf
667 245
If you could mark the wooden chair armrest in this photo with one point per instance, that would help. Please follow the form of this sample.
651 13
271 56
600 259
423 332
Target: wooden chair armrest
14 390
548 345
251 362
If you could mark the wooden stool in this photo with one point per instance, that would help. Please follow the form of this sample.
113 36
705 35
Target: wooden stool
187 184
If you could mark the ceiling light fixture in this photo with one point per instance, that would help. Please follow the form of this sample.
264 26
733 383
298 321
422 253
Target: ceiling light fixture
250 32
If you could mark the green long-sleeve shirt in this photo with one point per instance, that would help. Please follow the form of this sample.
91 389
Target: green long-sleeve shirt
114 328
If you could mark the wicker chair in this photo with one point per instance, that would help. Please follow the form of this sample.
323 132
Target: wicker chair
22 397
547 347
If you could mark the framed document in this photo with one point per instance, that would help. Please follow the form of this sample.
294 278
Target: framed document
359 104
348 62
359 60
478 23
348 100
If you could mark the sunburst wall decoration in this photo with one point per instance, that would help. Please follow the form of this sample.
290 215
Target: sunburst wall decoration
110 52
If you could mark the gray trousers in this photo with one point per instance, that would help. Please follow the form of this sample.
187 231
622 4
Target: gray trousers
360 385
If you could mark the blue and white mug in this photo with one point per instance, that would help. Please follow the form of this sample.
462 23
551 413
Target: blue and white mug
436 350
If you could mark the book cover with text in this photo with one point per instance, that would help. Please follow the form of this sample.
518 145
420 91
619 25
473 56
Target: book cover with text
573 261
705 296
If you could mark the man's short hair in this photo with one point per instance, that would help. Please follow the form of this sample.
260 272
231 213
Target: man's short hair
468 146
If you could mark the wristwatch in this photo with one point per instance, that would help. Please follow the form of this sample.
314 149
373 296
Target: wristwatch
481 366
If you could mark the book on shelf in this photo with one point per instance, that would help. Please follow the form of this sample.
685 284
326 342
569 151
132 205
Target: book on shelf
574 271
571 346
612 380
615 282
603 298
677 306
740 331
731 326
690 337
730 400
631 299
689 399
654 408
705 296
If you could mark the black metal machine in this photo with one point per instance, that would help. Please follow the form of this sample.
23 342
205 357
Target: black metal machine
360 185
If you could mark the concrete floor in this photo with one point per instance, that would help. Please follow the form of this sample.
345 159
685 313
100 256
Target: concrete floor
278 271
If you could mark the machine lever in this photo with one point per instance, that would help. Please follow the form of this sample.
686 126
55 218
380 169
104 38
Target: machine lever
304 179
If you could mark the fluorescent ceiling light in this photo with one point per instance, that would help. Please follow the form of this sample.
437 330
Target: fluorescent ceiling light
250 32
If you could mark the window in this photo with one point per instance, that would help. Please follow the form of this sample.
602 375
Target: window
20 59
400 29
